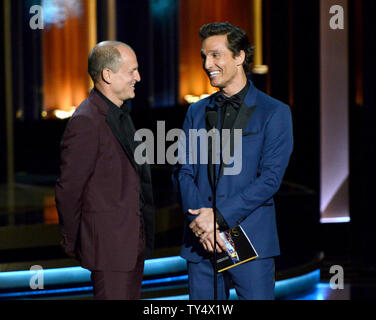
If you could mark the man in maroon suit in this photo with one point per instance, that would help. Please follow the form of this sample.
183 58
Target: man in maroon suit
104 198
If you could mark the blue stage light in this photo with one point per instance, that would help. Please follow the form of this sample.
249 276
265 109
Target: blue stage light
73 275
165 280
298 284
44 292
166 265
153 267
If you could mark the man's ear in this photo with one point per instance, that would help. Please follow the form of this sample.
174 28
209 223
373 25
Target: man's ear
240 58
106 75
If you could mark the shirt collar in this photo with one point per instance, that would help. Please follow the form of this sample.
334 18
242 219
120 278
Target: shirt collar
123 107
243 92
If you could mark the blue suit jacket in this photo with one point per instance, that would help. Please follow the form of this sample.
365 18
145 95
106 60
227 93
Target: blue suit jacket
245 198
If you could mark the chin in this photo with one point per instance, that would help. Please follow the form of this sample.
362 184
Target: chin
216 84
129 96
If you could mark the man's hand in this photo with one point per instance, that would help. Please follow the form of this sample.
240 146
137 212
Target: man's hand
203 228
70 254
208 242
203 224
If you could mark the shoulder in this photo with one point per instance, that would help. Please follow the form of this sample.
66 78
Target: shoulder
270 104
275 114
199 106
84 118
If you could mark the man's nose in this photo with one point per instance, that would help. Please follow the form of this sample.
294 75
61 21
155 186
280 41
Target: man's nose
208 63
138 77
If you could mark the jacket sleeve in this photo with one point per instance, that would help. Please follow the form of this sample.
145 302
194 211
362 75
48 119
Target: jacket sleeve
79 149
278 145
183 174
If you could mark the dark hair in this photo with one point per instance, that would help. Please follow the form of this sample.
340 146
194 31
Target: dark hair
237 40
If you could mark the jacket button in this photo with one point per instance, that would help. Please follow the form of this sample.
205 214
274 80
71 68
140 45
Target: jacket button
210 198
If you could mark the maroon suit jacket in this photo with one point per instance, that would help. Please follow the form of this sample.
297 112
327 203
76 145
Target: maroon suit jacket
97 194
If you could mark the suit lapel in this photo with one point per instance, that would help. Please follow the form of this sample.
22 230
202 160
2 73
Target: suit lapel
209 126
112 120
241 122
211 166
243 118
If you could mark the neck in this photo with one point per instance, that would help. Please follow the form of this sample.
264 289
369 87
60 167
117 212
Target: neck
235 86
109 95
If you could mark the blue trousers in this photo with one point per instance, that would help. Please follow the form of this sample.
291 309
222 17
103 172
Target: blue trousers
253 280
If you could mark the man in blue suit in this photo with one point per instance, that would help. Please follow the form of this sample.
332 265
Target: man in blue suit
244 198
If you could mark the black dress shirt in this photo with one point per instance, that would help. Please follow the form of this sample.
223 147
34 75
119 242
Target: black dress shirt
230 106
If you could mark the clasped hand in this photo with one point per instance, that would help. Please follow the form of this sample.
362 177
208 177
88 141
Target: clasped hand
203 228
